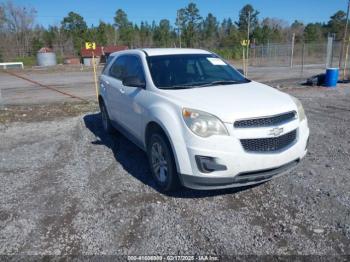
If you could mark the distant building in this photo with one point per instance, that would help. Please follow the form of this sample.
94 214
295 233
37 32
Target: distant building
101 53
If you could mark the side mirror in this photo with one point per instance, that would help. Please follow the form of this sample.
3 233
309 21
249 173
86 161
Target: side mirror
134 81
241 71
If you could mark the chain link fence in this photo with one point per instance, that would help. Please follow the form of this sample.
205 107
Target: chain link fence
302 54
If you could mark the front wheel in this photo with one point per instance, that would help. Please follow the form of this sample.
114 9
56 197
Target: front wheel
162 162
106 122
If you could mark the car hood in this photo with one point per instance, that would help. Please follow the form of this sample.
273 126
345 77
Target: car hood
232 102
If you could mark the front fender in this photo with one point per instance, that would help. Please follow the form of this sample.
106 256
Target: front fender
169 118
102 92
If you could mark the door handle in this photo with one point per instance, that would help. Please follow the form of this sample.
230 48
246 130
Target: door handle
104 83
122 90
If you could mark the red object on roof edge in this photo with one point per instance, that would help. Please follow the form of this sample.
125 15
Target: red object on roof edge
101 50
45 50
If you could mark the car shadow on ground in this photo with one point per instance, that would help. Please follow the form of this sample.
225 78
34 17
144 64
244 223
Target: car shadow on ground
134 160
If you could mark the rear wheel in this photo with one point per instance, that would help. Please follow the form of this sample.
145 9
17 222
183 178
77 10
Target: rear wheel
162 162
106 122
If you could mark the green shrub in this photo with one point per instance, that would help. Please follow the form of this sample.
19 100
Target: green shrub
27 60
60 59
229 53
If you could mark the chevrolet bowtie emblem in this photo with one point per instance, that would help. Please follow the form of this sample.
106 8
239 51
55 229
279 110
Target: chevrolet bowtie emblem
276 131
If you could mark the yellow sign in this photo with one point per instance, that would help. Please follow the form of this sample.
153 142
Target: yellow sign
90 45
245 42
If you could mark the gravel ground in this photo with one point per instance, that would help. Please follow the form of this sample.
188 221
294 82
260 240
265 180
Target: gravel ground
68 189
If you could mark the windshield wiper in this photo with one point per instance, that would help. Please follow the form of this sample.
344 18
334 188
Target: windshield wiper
221 82
195 85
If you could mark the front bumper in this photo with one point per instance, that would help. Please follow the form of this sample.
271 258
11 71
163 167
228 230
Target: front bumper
240 180
243 168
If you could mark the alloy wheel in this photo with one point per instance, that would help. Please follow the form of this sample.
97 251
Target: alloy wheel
159 162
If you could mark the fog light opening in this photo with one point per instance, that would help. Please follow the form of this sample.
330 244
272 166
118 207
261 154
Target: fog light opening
208 164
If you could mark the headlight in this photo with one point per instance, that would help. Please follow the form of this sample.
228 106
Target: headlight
203 124
301 112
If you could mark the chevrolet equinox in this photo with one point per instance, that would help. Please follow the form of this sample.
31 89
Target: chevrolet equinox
202 124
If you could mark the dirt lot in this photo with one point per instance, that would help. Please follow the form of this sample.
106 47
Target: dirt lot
72 80
78 81
68 188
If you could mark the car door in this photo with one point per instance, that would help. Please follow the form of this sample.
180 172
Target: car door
113 83
131 110
105 81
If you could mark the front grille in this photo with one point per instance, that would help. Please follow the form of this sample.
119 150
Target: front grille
266 121
269 144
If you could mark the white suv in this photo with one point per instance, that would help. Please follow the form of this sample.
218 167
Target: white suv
202 123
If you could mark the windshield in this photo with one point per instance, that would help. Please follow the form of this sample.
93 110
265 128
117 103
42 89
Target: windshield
189 71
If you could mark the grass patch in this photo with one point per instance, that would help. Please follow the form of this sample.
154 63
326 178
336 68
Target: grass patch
27 60
229 53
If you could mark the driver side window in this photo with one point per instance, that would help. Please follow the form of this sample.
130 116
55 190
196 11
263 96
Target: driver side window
118 68
126 66
133 67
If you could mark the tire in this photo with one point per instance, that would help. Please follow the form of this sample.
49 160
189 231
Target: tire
106 122
162 163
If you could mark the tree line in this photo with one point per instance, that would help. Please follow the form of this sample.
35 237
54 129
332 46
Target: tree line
22 37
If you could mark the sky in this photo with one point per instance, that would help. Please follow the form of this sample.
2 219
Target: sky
51 12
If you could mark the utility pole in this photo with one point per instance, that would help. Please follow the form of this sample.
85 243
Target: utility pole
346 58
302 59
254 53
344 37
329 55
248 31
115 34
292 51
178 27
248 36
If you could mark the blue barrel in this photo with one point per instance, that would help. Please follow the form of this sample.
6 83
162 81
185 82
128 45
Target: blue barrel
332 75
